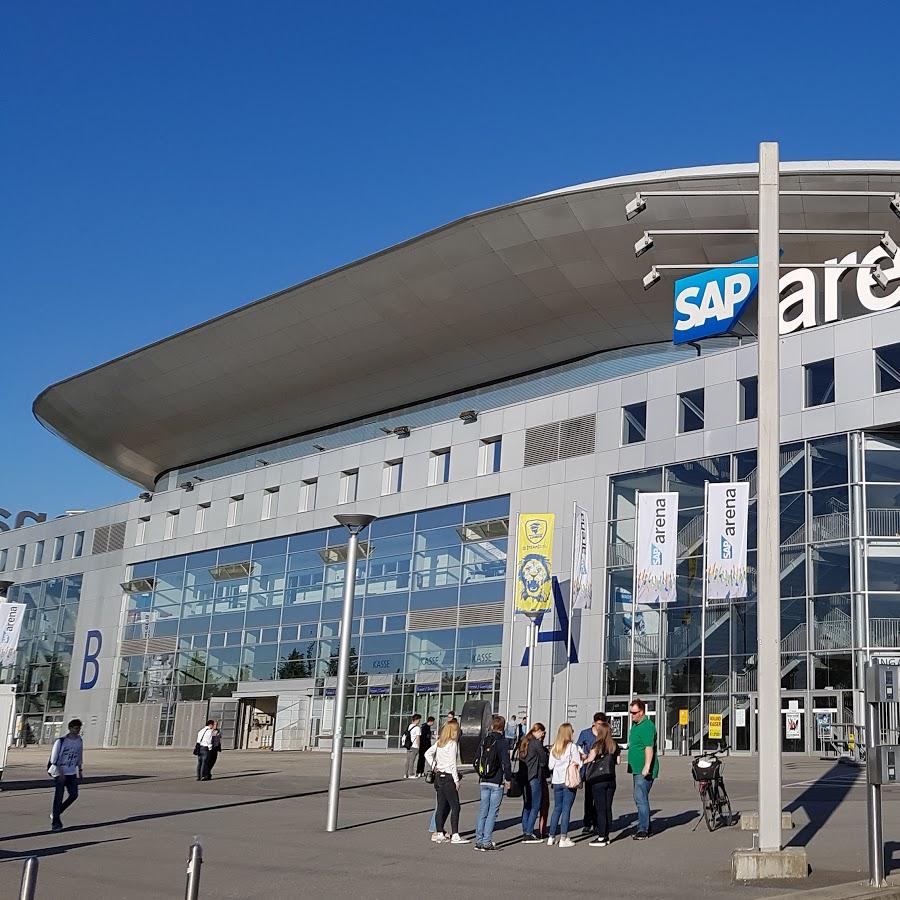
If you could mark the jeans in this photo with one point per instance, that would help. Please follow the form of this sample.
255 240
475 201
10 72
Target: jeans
491 798
590 819
203 763
531 798
563 798
642 801
70 784
412 760
602 792
448 802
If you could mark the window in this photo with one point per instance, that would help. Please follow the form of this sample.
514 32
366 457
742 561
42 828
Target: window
171 520
634 423
748 398
38 553
78 545
200 518
58 548
489 451
818 378
392 477
4 555
141 535
234 510
439 466
349 482
20 556
887 368
690 411
270 503
308 494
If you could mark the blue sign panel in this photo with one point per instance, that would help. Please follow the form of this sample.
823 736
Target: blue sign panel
711 301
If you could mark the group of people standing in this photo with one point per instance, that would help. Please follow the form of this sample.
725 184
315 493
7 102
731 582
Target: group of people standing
527 766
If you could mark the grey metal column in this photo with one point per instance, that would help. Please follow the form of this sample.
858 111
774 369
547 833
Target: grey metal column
532 652
858 576
873 793
354 525
768 526
29 879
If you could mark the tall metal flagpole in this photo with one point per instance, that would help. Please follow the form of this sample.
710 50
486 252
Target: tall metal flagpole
768 613
634 559
571 601
703 621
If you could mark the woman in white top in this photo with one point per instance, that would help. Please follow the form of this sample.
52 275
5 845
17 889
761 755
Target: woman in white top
442 757
564 755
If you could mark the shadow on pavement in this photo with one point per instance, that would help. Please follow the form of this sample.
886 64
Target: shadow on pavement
237 804
819 801
10 855
43 782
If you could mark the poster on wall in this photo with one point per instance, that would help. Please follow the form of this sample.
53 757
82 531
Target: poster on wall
727 508
11 616
581 560
534 560
656 548
792 726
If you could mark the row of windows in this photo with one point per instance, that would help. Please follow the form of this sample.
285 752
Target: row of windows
38 549
391 483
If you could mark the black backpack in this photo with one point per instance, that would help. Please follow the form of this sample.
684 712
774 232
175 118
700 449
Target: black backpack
407 739
487 762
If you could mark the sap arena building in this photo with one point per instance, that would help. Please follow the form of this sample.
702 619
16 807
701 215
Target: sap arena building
509 362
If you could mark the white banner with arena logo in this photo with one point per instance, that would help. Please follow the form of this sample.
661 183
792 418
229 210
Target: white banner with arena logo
656 548
11 616
727 508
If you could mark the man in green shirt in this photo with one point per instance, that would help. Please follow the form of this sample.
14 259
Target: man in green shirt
642 762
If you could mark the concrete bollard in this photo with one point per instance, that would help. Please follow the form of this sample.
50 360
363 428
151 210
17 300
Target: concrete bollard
29 879
195 861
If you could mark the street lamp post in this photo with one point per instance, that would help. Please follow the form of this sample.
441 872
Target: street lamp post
354 525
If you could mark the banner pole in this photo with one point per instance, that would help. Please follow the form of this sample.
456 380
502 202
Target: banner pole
571 596
703 616
634 559
512 625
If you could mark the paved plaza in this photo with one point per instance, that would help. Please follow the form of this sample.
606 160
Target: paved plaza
261 821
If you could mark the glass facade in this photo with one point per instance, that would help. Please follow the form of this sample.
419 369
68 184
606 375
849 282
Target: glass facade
677 646
428 614
44 657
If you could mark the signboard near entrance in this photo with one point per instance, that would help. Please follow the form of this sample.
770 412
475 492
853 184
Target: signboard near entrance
792 726
683 716
715 726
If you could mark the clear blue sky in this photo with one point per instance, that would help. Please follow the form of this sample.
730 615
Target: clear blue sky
164 162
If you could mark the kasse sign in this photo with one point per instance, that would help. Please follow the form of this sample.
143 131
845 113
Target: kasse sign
711 302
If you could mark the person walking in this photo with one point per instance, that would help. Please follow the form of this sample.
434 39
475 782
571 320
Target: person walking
410 743
443 757
586 741
600 779
642 763
511 733
565 766
424 743
66 770
533 760
494 774
204 749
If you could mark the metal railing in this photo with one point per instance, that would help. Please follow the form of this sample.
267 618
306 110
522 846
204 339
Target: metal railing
883 522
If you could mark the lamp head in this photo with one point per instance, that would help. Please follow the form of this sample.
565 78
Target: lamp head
355 522
651 278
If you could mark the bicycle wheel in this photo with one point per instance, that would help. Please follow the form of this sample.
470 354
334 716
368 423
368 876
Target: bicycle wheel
709 807
724 805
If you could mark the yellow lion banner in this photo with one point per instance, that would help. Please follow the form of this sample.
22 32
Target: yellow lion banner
533 564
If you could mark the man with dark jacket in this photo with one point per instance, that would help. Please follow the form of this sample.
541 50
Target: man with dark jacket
494 774
585 741
424 744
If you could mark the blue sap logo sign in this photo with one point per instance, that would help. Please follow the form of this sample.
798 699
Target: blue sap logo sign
710 302
727 549
90 660
656 556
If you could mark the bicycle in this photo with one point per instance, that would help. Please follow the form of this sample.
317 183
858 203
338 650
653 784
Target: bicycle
714 802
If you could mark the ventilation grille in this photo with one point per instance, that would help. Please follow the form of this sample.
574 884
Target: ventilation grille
484 614
154 645
108 538
560 440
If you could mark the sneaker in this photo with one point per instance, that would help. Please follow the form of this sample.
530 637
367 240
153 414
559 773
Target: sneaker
566 842
490 848
599 842
56 826
587 830
459 839
550 841
640 836
478 846
438 838
532 839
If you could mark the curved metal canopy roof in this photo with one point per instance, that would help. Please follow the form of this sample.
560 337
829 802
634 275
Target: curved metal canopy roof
492 295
